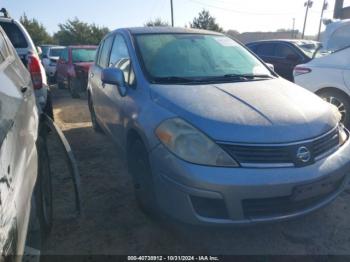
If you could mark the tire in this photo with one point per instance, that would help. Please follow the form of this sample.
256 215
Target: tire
34 234
74 86
341 101
94 122
43 189
48 107
140 169
60 85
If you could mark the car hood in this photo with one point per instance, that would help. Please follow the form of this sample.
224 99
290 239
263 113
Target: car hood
54 58
84 65
271 111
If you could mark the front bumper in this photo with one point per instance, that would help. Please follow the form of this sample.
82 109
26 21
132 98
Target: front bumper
240 196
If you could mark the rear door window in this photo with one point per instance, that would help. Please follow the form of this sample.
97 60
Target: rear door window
283 51
14 34
64 55
266 49
340 39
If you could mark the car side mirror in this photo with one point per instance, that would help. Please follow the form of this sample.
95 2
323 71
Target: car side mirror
114 76
39 50
271 66
293 58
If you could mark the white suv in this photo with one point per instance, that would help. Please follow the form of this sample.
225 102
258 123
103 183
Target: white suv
49 60
28 53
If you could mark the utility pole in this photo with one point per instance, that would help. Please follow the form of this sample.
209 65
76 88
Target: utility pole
293 30
324 7
172 13
308 5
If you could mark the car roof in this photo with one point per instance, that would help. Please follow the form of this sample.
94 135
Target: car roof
167 30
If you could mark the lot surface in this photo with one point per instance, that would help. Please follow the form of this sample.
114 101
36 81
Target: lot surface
111 222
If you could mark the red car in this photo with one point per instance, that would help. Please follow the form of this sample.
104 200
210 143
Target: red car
73 68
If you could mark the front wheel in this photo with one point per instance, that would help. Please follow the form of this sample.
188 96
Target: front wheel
341 101
141 172
94 122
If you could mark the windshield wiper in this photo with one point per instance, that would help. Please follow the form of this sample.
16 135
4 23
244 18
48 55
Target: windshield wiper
247 76
176 79
239 77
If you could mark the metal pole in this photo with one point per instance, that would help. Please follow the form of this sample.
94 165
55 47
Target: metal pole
306 13
172 13
319 28
293 30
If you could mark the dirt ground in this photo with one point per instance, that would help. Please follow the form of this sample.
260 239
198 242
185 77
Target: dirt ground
111 222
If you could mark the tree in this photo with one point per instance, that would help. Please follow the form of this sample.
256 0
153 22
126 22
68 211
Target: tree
36 30
156 22
76 32
205 21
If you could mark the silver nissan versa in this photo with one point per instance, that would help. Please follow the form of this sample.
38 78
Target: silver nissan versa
211 134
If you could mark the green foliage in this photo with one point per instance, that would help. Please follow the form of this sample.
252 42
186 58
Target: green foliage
36 30
156 22
76 32
205 21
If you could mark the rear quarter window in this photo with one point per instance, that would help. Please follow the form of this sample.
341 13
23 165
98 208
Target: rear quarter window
14 34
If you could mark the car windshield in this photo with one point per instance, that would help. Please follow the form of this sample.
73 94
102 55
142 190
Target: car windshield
169 58
308 47
14 34
83 55
56 51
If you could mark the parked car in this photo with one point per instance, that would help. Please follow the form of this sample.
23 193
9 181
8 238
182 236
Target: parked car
49 61
27 51
285 54
25 183
210 133
329 75
73 67
44 49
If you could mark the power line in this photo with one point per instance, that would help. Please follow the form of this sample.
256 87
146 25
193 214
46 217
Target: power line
239 11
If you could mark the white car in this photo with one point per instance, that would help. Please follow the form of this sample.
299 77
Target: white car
25 184
329 74
49 60
28 53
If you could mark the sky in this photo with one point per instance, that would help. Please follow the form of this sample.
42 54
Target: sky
240 15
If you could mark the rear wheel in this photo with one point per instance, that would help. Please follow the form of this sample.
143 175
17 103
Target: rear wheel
60 85
140 170
48 107
74 85
341 101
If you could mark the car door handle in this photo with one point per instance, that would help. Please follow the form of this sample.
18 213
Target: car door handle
4 180
24 89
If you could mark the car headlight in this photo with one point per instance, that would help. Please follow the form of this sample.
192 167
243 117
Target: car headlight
343 134
190 144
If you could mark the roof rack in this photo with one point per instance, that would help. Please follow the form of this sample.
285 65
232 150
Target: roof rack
5 13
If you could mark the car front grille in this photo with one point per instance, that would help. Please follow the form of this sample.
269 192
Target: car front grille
282 154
